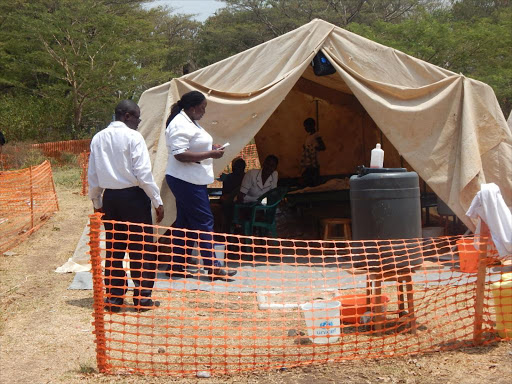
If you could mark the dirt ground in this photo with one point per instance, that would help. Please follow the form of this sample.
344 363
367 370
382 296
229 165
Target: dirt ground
46 330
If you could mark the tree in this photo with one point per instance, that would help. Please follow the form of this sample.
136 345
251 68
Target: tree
178 41
281 16
91 51
227 34
243 24
79 58
475 9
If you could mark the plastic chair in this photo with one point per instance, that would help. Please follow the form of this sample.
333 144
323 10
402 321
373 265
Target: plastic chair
259 216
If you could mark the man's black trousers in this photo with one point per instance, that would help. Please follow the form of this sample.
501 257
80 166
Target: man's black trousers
133 205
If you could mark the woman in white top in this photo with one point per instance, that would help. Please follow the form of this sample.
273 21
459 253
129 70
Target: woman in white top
189 171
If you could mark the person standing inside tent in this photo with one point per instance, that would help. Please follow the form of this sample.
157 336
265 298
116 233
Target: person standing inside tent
122 187
189 171
310 149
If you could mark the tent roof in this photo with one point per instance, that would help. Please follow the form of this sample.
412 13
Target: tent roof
449 128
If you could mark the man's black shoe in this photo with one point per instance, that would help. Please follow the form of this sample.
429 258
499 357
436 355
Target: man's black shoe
182 275
179 271
112 308
145 308
221 274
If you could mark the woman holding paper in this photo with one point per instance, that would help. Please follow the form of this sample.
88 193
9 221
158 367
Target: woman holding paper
189 171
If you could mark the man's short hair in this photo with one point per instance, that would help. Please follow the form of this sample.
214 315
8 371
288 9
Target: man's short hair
272 157
309 123
124 107
239 164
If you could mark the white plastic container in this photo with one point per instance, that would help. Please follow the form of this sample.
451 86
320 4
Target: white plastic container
377 159
322 320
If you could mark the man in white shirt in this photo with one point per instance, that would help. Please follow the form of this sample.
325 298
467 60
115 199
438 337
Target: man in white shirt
257 182
122 187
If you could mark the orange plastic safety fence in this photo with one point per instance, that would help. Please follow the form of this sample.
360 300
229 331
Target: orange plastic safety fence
83 163
250 154
27 199
6 162
291 302
55 149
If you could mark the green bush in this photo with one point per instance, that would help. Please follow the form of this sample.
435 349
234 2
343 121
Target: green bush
26 117
68 176
68 158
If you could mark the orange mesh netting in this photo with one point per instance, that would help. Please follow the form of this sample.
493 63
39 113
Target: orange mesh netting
55 149
17 152
292 302
27 199
249 153
83 163
6 161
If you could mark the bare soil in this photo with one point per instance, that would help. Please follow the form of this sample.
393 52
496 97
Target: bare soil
46 330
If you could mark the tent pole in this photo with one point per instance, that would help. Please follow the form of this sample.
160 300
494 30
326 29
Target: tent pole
317 121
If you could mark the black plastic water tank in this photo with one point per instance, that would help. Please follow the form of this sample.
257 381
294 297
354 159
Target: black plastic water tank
385 204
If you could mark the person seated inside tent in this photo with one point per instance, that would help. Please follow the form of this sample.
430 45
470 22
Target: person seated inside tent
257 182
230 189
309 160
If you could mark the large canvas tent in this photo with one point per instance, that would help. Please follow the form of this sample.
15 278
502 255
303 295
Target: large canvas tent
446 127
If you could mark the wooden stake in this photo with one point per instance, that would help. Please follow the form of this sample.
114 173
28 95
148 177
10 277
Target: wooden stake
53 186
31 199
97 279
480 283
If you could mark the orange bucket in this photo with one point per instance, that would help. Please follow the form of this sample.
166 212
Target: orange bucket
353 307
468 256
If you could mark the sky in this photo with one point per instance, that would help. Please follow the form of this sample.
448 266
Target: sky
202 8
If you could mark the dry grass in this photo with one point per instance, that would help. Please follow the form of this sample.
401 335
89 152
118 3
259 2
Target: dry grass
46 330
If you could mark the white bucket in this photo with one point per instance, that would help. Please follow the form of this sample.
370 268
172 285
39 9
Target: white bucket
322 320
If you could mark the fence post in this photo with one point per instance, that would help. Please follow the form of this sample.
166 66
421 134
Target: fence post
84 162
97 279
31 198
53 185
480 283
